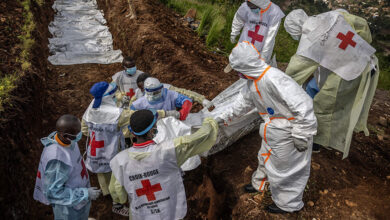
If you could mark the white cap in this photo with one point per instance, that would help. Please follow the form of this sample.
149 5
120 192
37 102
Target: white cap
294 22
263 4
152 83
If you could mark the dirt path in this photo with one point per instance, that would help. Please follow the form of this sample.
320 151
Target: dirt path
355 188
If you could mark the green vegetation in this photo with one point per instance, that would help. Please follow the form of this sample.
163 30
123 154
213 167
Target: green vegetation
215 20
9 81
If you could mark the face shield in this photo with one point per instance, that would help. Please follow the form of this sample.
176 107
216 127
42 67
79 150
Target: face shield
153 89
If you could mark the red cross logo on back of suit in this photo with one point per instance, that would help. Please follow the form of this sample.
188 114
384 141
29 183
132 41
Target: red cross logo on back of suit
148 190
346 40
255 37
95 144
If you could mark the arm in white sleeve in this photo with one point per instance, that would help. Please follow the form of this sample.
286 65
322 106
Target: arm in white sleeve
242 105
237 25
300 105
269 43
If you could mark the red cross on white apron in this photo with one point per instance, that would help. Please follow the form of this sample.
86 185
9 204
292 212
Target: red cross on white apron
346 40
255 37
95 144
148 190
130 93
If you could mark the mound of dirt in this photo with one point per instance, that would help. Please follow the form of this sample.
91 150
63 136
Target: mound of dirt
357 187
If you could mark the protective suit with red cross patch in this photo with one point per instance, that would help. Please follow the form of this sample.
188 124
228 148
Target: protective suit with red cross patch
258 26
335 55
287 131
127 87
62 179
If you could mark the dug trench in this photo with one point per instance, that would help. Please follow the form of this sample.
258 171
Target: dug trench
356 187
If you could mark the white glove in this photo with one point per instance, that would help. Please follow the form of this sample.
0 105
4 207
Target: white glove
93 193
233 39
207 104
300 144
172 113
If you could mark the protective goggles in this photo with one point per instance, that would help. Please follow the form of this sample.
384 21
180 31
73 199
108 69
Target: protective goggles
155 114
157 89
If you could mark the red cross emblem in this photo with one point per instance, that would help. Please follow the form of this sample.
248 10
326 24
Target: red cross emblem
130 93
346 40
39 174
255 37
95 144
84 172
148 190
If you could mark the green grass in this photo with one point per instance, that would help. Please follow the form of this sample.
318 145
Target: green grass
215 20
9 81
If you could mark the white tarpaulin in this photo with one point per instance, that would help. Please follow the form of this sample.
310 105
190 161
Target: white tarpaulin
80 35
169 128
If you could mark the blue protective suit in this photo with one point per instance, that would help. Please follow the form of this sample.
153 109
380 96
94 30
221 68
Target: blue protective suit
170 100
63 198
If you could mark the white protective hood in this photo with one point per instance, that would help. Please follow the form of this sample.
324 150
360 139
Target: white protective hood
263 4
246 59
107 113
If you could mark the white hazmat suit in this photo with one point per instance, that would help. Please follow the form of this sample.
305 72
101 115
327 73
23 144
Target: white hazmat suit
287 131
259 27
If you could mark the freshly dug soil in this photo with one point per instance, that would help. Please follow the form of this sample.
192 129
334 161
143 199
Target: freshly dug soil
354 188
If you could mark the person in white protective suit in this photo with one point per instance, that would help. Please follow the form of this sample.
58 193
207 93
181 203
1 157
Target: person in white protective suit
201 99
150 172
287 131
259 21
336 65
62 180
126 80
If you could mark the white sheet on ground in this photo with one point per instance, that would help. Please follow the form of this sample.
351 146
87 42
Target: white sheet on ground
80 35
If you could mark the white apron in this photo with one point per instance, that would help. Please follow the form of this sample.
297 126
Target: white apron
330 41
154 183
78 177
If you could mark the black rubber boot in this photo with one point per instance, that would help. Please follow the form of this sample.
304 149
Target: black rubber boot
249 188
316 148
274 209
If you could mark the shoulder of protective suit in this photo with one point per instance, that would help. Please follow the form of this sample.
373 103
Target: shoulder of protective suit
276 12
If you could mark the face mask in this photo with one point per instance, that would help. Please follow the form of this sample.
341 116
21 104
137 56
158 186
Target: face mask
256 11
242 76
76 138
131 71
154 132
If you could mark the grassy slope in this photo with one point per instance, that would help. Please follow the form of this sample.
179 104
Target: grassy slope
9 80
216 18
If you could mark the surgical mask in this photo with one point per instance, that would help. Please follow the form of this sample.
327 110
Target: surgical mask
256 11
131 71
242 76
296 37
76 138
154 132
